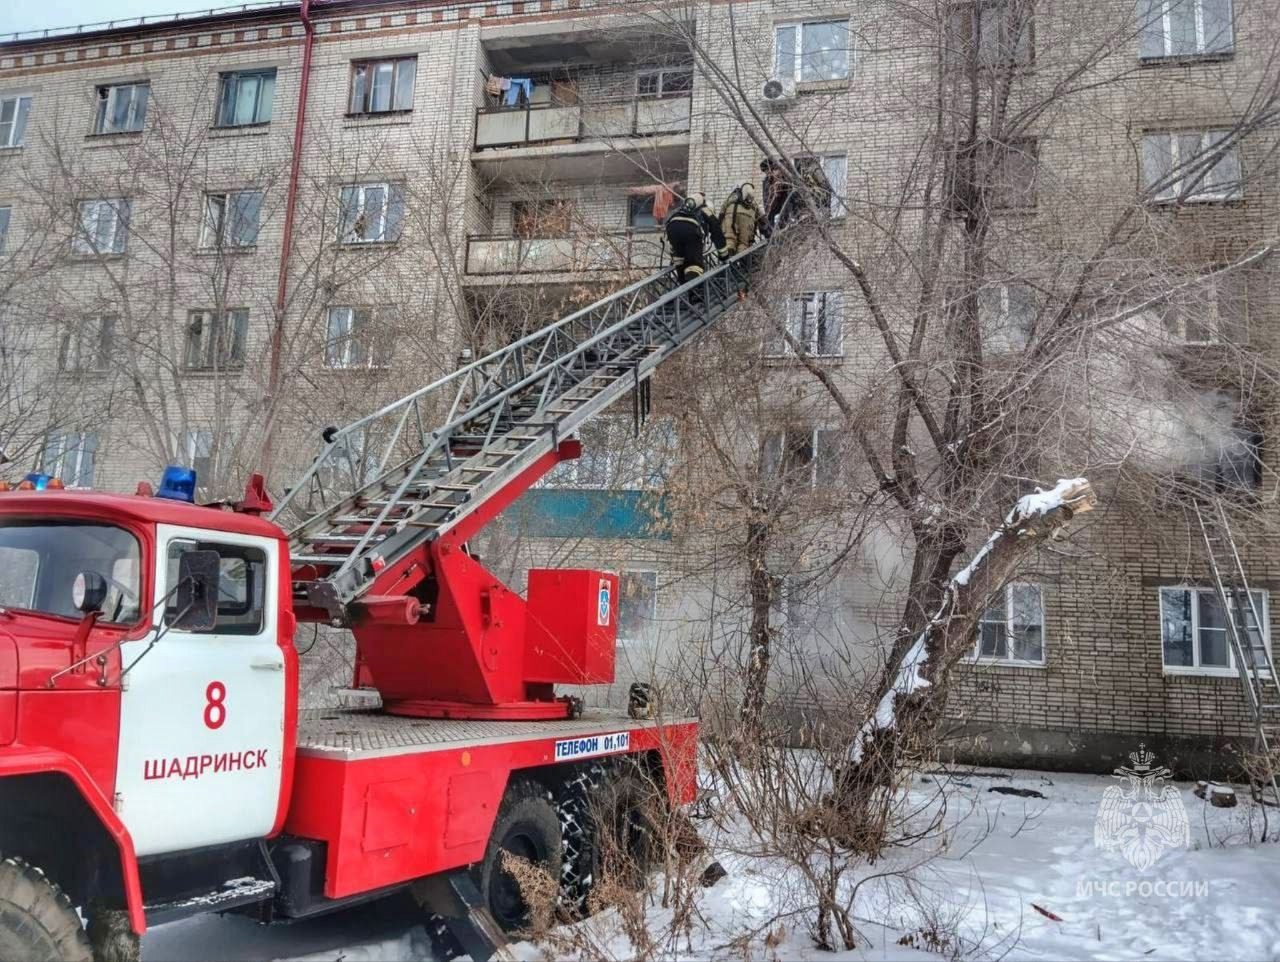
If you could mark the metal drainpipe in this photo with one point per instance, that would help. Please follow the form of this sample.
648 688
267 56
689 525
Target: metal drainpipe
282 291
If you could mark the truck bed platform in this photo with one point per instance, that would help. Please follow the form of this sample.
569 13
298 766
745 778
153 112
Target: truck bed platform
352 734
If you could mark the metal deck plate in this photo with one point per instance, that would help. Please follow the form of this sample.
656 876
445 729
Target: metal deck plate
350 734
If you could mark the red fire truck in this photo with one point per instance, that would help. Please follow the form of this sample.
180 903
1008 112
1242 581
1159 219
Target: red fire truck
154 761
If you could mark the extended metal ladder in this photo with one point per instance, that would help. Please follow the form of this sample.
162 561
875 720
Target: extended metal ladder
500 414
1247 636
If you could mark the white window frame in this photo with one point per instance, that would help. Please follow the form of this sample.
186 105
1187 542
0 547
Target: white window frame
216 227
796 70
263 102
13 131
1212 317
799 305
1197 668
661 73
198 444
1008 658
340 349
1166 32
6 218
1172 194
348 232
96 333
213 339
136 118
84 240
652 616
371 67
816 447
1001 335
70 462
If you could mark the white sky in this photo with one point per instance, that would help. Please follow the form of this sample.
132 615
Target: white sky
33 15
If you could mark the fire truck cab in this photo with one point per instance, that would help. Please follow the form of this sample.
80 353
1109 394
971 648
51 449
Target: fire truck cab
154 762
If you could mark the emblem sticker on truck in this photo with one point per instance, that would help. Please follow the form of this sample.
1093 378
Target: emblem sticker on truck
588 745
602 603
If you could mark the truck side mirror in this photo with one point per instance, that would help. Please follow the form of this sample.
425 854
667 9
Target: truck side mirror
89 591
197 598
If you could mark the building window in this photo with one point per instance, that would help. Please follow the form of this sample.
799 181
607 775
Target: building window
533 219
1230 460
816 321
70 457
808 456
354 340
1007 316
88 346
836 169
1012 629
197 447
814 51
5 215
996 32
231 219
1213 311
102 227
1193 629
640 215
1191 166
13 120
122 108
613 457
664 83
382 86
246 97
1014 167
1185 28
637 605
215 342
371 213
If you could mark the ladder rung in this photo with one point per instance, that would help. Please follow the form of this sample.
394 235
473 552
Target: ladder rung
423 524
340 539
454 487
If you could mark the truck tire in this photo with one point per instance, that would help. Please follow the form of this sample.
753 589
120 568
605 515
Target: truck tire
578 832
37 921
626 815
112 937
526 826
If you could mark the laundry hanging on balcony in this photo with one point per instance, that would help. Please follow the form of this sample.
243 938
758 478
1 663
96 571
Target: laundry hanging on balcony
495 86
519 86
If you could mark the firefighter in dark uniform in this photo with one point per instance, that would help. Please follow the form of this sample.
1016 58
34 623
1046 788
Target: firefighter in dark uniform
688 227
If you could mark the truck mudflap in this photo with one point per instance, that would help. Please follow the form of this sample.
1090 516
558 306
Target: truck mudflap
16 761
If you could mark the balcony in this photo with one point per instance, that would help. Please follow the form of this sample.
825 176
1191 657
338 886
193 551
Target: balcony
496 258
586 140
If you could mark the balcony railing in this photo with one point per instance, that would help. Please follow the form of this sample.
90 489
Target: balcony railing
599 120
612 251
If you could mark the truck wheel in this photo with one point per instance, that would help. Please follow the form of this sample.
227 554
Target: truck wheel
112 937
578 832
37 921
627 813
527 827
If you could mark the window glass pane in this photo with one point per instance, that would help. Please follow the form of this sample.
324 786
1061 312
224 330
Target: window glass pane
1181 18
381 96
836 169
359 78
405 72
243 228
640 212
372 214
824 51
266 97
1157 162
1191 174
246 99
18 137
1027 626
1213 633
647 84
677 81
1151 28
339 328
395 213
1175 627
1225 177
5 214
992 638
785 52
1216 16
242 586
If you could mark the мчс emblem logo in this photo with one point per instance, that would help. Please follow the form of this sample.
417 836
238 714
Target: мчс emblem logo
1142 816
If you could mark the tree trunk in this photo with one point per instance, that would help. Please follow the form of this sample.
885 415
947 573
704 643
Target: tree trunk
914 688
761 590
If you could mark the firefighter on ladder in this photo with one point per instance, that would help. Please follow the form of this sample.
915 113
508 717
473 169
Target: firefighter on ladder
688 227
740 218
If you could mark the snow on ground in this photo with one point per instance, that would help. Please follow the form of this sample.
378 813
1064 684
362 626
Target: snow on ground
1004 856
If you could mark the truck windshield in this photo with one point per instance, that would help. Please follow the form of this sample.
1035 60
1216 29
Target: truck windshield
39 561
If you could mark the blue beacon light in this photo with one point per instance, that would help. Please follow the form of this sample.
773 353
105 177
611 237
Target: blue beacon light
178 484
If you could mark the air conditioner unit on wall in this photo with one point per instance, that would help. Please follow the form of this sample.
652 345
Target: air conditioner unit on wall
778 91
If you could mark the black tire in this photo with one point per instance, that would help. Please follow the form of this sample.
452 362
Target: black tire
624 829
37 921
578 832
527 826
112 937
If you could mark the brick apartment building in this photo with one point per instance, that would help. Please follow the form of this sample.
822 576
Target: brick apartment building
311 210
